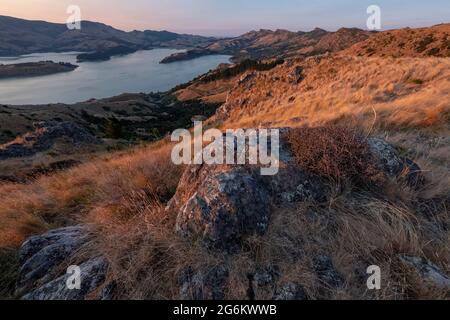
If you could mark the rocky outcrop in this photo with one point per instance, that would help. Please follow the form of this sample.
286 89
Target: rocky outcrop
228 205
394 165
220 205
296 76
43 138
42 259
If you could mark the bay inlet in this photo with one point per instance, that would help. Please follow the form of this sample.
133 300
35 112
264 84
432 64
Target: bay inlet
133 73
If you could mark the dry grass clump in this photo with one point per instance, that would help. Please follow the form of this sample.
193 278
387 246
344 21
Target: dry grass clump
335 152
123 198
9 268
136 235
355 230
66 197
350 233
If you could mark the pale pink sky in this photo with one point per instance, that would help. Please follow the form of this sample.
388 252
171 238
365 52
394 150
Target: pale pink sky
121 14
228 17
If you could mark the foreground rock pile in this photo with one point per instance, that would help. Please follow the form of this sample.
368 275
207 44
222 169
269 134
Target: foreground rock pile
220 206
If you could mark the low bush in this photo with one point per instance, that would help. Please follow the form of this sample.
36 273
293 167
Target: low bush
336 153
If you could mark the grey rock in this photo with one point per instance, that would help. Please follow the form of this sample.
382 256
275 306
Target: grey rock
63 235
289 292
429 272
93 274
387 155
39 255
224 208
108 291
44 137
247 78
296 76
266 276
394 165
203 285
222 204
327 273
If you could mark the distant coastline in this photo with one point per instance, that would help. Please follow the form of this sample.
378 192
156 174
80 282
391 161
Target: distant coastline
136 72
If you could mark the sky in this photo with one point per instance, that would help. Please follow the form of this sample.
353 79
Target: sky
233 17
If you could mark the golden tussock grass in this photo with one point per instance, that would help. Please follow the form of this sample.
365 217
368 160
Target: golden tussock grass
372 92
354 232
123 195
66 197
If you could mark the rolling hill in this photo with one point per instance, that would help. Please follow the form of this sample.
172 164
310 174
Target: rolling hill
18 36
422 42
265 44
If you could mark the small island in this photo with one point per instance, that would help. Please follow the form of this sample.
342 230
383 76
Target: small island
33 69
105 55
188 55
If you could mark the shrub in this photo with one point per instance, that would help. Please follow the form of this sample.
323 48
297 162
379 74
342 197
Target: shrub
423 44
113 129
241 67
417 81
336 153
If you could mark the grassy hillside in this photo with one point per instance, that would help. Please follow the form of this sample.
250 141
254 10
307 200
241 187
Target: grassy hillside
422 42
124 194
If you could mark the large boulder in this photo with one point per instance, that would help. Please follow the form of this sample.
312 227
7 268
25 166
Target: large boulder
227 205
220 205
43 258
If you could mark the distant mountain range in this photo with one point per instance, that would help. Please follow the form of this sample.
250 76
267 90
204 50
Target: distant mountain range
18 36
278 44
